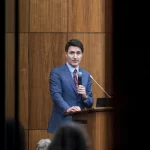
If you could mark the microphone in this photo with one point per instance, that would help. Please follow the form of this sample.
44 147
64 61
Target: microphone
100 87
79 78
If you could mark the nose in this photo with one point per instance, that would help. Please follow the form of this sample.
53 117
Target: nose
75 55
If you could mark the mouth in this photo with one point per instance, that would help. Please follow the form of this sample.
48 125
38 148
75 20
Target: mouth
74 61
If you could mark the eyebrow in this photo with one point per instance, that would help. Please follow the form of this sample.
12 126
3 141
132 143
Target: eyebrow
75 52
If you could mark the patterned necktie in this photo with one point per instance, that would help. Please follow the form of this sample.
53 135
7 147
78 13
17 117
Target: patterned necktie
75 78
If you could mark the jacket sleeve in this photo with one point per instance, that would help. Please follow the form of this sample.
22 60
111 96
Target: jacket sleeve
56 91
89 101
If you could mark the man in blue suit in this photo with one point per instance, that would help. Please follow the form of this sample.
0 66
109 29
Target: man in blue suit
65 94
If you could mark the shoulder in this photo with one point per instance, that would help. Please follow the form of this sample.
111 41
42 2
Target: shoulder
84 71
58 69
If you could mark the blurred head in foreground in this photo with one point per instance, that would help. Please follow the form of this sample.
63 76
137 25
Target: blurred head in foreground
70 136
15 135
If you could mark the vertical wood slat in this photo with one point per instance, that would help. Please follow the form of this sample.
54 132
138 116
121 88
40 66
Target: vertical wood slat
10 16
108 45
109 64
23 80
101 130
48 16
26 139
46 51
100 123
9 76
110 130
93 59
23 15
92 118
108 16
86 16
35 136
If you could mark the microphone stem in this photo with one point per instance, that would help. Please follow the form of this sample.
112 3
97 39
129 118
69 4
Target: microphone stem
101 87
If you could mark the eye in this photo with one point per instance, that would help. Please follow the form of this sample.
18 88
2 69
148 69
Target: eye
78 53
71 52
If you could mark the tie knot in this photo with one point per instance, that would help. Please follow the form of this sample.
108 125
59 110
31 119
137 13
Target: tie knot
75 71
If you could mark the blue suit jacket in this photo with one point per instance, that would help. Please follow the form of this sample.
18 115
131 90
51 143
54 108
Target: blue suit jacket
64 95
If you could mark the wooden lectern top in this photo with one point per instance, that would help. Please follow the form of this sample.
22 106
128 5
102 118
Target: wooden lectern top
94 109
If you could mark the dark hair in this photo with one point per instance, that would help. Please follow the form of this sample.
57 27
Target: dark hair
15 135
70 136
74 42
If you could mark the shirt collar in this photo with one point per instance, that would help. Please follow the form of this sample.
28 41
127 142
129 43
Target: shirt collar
72 68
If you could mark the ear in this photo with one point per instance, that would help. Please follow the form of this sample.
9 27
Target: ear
66 54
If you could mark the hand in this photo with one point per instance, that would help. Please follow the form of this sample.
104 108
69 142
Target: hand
81 90
73 109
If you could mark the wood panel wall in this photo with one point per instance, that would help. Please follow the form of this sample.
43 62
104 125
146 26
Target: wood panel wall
9 75
45 27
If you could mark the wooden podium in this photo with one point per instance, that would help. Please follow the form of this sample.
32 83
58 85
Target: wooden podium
99 124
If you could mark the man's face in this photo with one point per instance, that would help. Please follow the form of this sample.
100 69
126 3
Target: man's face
74 56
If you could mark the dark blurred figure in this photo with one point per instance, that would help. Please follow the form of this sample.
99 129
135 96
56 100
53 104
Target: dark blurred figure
70 136
14 135
131 74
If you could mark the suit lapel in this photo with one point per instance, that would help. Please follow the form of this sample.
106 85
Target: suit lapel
70 79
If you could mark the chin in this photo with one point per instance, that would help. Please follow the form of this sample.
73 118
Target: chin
74 65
